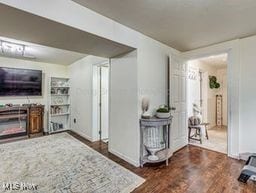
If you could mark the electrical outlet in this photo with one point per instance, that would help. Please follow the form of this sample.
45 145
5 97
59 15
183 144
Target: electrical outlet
74 120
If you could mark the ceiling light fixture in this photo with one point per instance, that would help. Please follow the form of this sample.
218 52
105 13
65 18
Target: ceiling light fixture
14 50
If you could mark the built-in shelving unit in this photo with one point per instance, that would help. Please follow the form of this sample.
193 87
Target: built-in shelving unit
59 104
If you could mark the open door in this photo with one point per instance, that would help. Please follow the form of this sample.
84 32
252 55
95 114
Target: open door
104 102
101 101
178 100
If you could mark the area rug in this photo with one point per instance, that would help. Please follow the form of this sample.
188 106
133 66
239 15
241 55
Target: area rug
61 164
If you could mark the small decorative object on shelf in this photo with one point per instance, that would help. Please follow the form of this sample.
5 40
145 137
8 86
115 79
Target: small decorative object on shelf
54 84
59 105
163 112
145 107
154 140
58 100
56 110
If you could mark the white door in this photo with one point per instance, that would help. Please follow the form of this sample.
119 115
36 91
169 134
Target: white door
104 101
178 99
205 85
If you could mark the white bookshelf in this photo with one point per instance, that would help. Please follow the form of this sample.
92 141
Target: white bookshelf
59 104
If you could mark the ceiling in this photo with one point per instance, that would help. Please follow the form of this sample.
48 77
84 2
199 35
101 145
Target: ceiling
217 61
21 25
39 53
182 24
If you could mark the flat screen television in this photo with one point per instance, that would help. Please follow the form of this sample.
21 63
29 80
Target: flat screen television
20 82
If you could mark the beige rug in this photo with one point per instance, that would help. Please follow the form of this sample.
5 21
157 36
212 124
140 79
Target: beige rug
61 164
217 140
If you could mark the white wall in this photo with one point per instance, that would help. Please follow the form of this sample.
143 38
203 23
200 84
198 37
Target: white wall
247 95
48 70
152 72
81 78
124 124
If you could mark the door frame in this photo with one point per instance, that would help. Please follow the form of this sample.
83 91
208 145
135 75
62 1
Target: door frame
96 98
232 50
200 76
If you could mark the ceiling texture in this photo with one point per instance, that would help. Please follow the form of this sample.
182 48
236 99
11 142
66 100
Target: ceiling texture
217 61
182 24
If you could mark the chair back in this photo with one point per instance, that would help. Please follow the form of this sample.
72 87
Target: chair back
194 121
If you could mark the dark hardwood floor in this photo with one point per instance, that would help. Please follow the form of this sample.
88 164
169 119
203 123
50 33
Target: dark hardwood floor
190 170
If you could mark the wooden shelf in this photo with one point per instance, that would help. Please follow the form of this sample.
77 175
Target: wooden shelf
59 94
60 104
163 155
60 86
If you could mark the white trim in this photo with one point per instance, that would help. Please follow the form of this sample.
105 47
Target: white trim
95 98
245 156
125 158
232 49
82 135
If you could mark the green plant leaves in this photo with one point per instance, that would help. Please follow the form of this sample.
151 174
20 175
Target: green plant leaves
213 82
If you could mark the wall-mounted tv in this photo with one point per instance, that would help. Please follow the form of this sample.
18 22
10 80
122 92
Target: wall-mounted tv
20 82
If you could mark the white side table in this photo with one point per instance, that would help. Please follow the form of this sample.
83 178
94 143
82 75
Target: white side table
162 124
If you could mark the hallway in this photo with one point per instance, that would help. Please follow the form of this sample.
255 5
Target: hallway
217 140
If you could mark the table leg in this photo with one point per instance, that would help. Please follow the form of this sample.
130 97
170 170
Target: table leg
206 132
141 146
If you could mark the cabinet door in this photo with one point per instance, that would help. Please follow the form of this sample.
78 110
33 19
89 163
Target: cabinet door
35 121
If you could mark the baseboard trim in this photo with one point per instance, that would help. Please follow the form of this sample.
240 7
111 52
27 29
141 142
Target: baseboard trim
244 156
82 135
234 157
125 158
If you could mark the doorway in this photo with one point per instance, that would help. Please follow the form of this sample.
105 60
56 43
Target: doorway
207 100
101 96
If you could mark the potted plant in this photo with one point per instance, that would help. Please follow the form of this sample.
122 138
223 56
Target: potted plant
213 82
163 112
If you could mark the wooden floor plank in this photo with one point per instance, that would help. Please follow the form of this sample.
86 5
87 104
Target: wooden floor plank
191 170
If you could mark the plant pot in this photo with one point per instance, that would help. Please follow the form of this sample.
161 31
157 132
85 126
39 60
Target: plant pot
163 115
